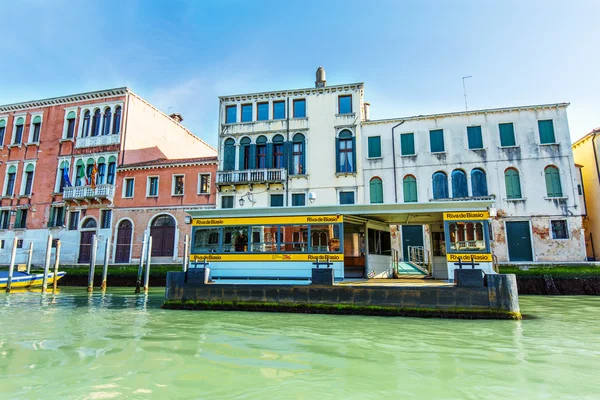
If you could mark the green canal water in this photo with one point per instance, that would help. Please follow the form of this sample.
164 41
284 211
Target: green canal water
121 345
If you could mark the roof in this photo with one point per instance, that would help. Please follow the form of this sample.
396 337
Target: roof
165 163
71 98
291 92
586 137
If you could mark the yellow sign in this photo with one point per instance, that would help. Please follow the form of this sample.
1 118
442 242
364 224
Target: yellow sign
266 257
466 215
466 258
303 220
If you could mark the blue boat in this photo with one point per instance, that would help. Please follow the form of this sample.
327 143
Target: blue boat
25 280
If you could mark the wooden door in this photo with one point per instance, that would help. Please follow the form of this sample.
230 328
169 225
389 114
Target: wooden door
163 240
123 250
85 247
518 236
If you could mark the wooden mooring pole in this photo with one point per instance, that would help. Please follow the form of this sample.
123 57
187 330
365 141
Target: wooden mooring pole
29 257
186 246
148 258
138 282
56 263
47 264
105 265
11 268
90 288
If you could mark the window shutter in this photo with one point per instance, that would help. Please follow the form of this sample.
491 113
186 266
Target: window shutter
286 155
474 137
241 158
303 158
252 161
407 144
436 141
546 129
507 134
337 155
354 169
269 155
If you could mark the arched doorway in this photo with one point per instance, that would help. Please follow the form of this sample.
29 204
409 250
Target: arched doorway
123 249
88 230
162 231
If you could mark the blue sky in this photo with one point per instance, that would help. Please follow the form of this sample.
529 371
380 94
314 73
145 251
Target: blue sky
181 55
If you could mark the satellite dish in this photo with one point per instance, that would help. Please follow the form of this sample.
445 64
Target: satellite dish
312 196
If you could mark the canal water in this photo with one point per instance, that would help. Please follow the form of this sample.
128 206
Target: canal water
121 345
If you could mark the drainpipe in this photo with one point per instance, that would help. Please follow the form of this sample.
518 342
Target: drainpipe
394 161
583 191
123 132
596 155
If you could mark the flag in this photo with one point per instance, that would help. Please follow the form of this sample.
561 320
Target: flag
81 176
93 176
66 180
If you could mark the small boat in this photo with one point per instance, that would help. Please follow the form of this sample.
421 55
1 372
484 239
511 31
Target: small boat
25 280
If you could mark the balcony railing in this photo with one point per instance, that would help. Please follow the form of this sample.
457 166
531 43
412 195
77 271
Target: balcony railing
86 193
92 141
274 175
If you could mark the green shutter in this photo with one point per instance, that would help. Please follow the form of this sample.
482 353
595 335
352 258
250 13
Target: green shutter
337 155
374 146
507 134
29 168
513 184
354 169
2 123
409 185
474 137
546 128
553 186
20 121
436 141
407 144
12 169
376 191
252 161
37 119
71 115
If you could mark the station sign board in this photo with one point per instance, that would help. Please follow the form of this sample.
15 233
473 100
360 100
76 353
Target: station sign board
239 257
466 257
466 215
275 220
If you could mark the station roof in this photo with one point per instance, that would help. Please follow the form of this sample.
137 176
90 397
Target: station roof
395 214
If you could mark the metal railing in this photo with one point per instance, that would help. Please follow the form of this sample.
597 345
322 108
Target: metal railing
86 192
419 257
252 176
92 141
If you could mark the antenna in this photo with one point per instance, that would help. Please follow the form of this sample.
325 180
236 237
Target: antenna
465 91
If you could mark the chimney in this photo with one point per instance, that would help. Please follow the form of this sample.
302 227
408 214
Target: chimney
366 111
321 79
176 117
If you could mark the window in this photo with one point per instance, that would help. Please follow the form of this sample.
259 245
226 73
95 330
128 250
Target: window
553 186
346 157
380 242
229 155
70 125
73 220
19 243
345 104
376 191
128 189
459 184
85 131
374 145
28 180
262 111
298 199
512 183
4 219
10 181
261 152
278 154
276 200
36 126
546 128
96 120
299 108
298 156
407 144
152 186
507 134
2 131
203 183
559 229
440 185
112 168
278 109
107 118
244 154
227 202
105 219
294 238
436 141
246 112
21 219
346 197
117 121
478 183
178 185
230 114
57 217
409 186
205 240
474 137
101 171
63 179
18 136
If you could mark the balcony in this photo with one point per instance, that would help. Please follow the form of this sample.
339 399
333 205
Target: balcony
86 194
93 141
274 125
251 176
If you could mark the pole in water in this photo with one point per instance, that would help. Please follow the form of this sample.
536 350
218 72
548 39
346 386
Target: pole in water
47 264
92 264
138 282
105 265
56 262
147 276
186 245
11 269
29 257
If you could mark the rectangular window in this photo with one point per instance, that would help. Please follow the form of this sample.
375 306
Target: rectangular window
128 189
546 128
177 185
70 128
203 183
36 132
262 111
10 184
299 108
4 219
112 169
346 197
21 219
279 110
227 202
380 242
18 134
205 240
374 144
474 137
436 141
230 114
246 112
407 144
298 199
559 229
152 186
2 244
19 243
235 239
57 217
28 183
105 219
73 220
507 134
276 200
345 104
264 239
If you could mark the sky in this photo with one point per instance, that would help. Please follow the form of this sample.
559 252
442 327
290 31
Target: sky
411 55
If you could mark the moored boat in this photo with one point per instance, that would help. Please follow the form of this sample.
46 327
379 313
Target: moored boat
24 280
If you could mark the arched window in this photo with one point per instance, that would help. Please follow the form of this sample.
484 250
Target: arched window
2 131
125 224
163 220
36 126
229 155
96 123
345 154
101 171
298 166
513 184
86 124
376 191
18 136
553 186
459 184
107 117
409 186
64 176
112 170
89 223
478 182
80 173
440 185
278 153
245 153
117 121
261 152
